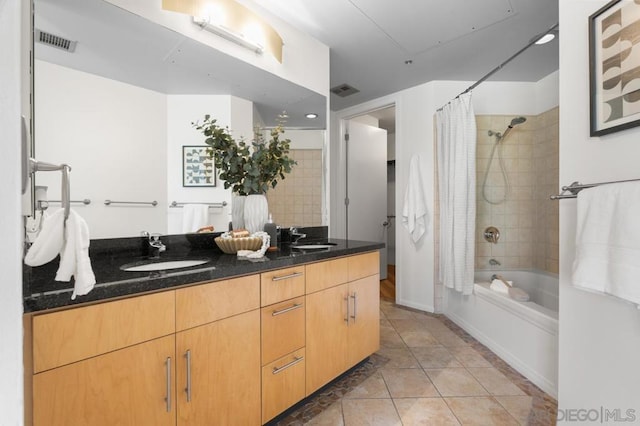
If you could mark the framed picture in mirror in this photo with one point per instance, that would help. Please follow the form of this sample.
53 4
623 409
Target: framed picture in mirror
197 166
614 67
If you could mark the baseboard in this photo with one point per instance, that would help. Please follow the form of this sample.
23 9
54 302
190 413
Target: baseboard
533 376
419 306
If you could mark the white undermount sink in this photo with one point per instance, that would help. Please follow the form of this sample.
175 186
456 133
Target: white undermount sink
163 266
313 246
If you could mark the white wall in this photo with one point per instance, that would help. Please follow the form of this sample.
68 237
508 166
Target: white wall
305 139
415 135
11 370
113 135
599 335
182 110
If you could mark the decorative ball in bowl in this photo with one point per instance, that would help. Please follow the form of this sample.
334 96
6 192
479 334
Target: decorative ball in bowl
232 245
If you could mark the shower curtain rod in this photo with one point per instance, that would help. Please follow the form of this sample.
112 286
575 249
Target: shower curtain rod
499 67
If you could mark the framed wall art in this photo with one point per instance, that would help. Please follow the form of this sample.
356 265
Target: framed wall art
614 67
197 166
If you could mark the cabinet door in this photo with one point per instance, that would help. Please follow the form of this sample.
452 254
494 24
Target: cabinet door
221 383
282 384
326 344
124 387
364 321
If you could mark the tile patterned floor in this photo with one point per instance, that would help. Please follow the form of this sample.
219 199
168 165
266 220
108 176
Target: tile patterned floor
428 372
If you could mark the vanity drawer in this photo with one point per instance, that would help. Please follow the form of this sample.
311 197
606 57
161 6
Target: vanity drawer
283 329
63 337
322 275
363 265
283 384
282 284
205 303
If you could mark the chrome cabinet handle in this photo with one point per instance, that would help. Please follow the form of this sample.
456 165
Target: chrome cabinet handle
168 398
355 306
296 360
285 310
187 355
286 277
347 317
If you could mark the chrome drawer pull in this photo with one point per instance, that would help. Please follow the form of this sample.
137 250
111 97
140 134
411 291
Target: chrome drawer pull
285 310
286 277
296 360
188 388
355 306
168 398
347 317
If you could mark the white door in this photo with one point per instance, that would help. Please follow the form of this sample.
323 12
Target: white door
367 186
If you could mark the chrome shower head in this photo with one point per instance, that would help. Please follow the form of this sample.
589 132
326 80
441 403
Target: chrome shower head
517 120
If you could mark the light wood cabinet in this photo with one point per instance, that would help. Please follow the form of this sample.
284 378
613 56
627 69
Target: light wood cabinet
125 387
218 372
282 384
282 284
343 325
283 329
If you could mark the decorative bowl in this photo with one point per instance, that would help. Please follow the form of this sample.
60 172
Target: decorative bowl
232 245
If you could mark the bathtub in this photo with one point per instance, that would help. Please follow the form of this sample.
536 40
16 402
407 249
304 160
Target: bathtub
524 334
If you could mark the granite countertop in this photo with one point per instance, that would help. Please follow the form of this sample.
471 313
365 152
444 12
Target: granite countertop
107 256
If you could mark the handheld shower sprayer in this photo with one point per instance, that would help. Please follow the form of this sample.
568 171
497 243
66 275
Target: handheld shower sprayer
514 122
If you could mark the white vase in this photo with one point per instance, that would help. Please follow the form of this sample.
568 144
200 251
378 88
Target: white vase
237 211
256 212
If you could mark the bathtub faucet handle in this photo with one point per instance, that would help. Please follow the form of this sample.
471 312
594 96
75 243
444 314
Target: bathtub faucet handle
494 262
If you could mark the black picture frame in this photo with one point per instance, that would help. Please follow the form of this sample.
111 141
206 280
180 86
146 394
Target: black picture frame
197 166
614 68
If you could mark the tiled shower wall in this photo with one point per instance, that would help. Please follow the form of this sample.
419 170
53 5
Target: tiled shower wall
528 219
297 199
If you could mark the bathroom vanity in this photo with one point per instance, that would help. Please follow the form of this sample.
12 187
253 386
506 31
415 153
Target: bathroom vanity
227 342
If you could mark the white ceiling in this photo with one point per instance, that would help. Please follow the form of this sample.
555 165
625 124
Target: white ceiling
370 40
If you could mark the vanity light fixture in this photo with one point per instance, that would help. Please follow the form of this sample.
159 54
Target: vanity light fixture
222 31
311 115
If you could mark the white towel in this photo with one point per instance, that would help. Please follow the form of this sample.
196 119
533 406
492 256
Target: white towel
499 286
48 243
194 217
414 211
257 254
74 257
608 240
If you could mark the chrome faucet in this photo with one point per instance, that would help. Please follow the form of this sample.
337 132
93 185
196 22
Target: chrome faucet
155 246
295 235
494 262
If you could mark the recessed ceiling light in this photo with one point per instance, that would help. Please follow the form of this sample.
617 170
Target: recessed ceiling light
546 38
311 115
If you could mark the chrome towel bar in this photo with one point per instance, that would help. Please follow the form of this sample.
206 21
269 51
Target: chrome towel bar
110 202
572 190
178 205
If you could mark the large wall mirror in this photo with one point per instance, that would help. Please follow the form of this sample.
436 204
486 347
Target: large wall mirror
115 96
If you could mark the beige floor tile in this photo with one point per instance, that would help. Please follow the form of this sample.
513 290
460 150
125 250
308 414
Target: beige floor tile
391 312
435 357
448 338
374 412
408 383
390 338
425 411
331 416
418 339
455 382
399 357
495 382
518 406
480 411
385 322
402 325
469 357
372 387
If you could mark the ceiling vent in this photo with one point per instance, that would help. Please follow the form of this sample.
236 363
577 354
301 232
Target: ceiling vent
344 90
55 41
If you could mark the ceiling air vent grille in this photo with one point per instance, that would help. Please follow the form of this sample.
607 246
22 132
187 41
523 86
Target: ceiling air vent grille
55 41
344 90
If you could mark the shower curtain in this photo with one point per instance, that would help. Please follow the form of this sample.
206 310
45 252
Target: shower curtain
456 145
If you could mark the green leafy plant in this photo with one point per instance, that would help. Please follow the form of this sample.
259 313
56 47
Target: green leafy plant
247 167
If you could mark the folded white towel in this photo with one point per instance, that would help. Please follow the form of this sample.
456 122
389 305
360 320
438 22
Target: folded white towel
74 257
194 217
499 286
48 242
414 211
608 240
